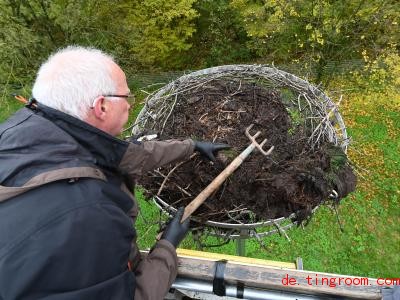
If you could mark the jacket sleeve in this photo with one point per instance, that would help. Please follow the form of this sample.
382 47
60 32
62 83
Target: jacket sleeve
159 266
142 157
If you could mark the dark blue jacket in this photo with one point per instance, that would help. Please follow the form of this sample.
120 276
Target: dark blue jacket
65 212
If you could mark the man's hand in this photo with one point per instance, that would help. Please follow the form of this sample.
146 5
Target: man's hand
208 149
175 230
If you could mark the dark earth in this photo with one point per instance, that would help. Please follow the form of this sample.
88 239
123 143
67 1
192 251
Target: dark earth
294 178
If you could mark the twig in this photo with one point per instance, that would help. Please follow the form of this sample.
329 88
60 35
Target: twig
171 171
183 191
170 112
281 230
337 218
324 120
202 116
178 201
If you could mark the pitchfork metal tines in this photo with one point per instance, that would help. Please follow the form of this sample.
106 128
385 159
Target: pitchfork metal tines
254 143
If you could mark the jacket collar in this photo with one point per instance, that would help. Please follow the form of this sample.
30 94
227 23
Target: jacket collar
106 149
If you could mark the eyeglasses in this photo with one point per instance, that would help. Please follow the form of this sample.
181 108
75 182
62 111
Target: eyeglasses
130 98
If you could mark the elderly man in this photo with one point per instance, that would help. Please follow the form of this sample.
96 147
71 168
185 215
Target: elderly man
66 207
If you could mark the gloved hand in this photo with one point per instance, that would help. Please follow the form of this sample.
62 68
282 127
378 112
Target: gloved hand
208 149
175 230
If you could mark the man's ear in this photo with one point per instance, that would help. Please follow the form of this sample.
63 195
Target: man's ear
99 107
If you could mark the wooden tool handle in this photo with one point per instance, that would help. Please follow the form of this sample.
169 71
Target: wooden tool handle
192 206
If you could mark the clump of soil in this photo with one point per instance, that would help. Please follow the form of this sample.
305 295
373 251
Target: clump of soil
296 177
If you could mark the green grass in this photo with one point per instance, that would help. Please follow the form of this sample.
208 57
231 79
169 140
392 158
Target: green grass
370 243
7 107
8 104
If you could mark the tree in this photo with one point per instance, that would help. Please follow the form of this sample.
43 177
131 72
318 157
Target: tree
220 36
319 31
159 31
140 34
31 30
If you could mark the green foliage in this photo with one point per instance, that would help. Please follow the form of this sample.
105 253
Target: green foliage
31 30
296 119
21 46
338 158
220 35
319 31
379 73
148 33
165 34
159 30
7 106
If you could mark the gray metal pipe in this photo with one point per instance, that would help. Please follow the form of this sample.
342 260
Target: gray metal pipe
195 285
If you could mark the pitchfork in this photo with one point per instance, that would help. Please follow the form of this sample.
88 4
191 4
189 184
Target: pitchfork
192 206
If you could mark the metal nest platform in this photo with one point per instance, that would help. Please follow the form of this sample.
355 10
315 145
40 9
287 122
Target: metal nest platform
328 124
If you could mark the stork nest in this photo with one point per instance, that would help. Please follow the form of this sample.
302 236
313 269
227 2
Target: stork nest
307 166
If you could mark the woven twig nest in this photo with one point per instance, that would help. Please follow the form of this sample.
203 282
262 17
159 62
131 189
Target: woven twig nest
308 165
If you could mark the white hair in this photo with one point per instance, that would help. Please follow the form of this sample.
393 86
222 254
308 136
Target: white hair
72 78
